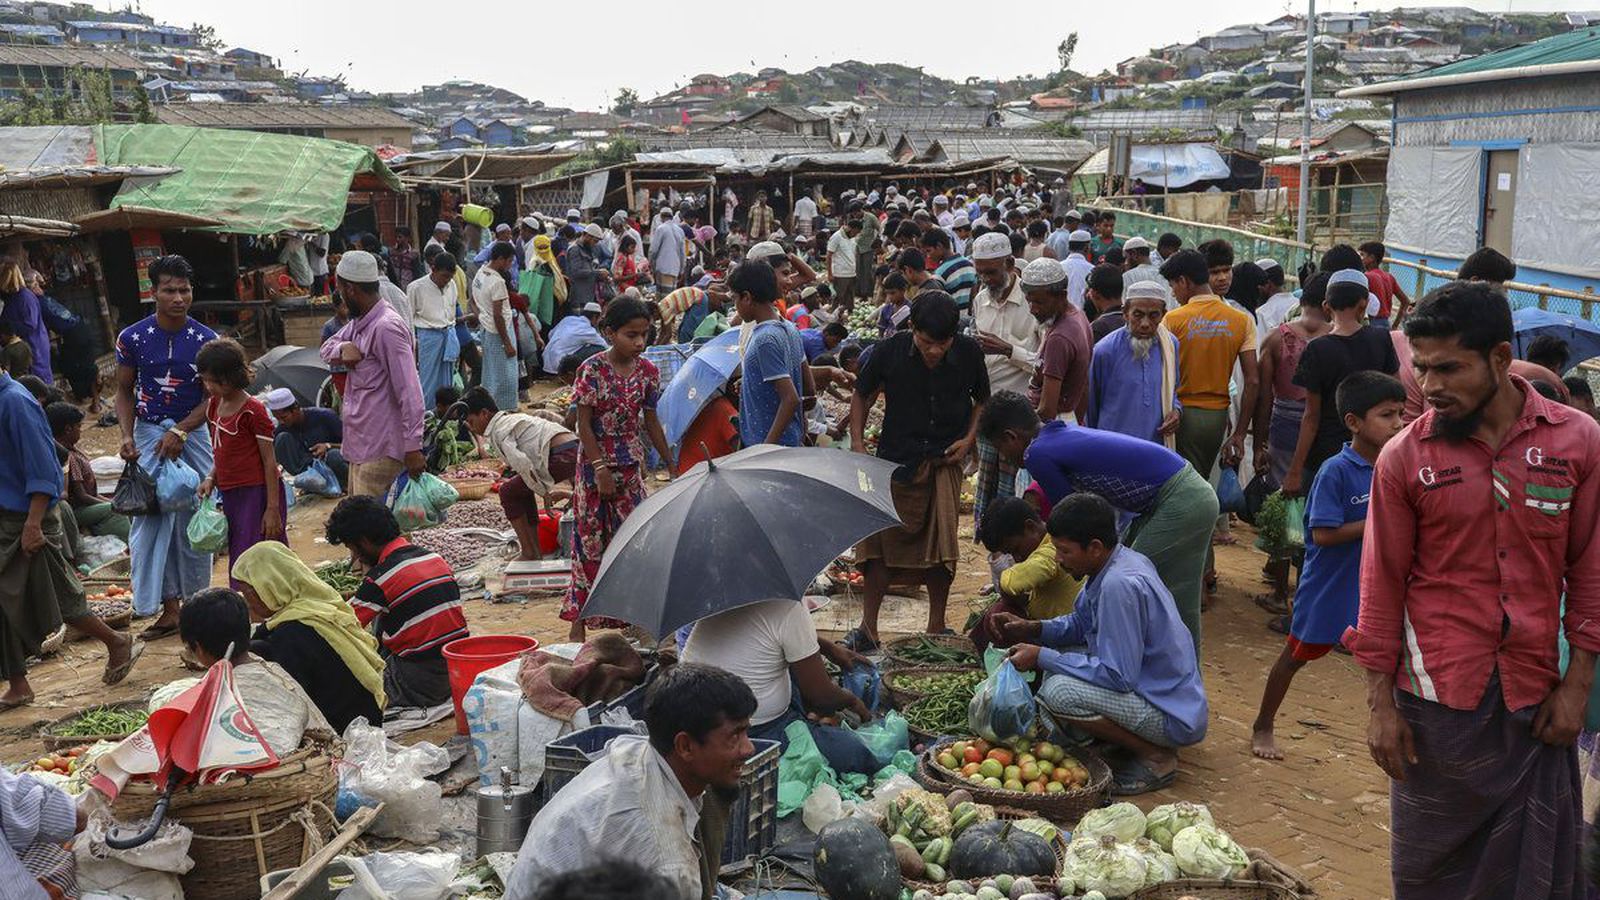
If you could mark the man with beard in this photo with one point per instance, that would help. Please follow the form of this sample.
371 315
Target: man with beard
1482 516
1133 376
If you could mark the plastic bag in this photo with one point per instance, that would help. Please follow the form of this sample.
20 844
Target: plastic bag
208 527
1294 524
865 682
1002 708
822 808
413 502
99 549
439 492
1230 497
1256 493
318 478
401 876
136 493
375 770
176 483
885 737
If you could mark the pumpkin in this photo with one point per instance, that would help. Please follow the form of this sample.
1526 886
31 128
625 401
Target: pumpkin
855 861
997 847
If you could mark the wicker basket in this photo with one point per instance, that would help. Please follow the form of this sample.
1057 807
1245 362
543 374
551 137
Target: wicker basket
471 488
54 742
1215 889
1059 845
893 649
250 824
902 698
1065 808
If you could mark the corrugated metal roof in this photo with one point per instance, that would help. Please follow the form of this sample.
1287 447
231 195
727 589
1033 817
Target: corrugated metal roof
1150 119
66 56
751 140
278 115
1575 51
962 146
928 117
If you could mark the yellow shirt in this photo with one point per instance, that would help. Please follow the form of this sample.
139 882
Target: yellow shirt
1211 335
1051 592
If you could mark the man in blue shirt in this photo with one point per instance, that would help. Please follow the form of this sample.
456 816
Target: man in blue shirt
37 588
1174 507
304 434
818 341
1133 376
769 389
1117 666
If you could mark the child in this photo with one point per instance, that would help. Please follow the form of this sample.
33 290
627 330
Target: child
1328 595
16 357
1035 586
244 465
339 319
616 393
93 512
1392 299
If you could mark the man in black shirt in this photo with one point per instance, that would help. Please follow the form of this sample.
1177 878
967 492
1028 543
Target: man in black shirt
933 382
306 434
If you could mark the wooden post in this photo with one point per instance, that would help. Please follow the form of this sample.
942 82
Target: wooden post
627 186
1422 279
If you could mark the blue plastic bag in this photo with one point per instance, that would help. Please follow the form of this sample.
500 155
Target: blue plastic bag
1002 708
1230 496
176 483
318 478
865 682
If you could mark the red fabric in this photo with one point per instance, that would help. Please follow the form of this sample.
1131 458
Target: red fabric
414 595
1469 549
234 443
1307 652
1383 284
1535 372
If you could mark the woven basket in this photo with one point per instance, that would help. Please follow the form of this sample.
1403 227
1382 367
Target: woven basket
1059 845
1214 889
471 488
250 824
1065 808
902 698
893 649
54 742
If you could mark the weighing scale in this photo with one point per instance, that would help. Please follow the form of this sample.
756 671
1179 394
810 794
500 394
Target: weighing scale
535 575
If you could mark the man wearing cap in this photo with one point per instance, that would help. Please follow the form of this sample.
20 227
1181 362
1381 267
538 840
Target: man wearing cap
584 272
666 251
433 319
960 234
441 236
941 211
491 301
842 260
1008 334
383 394
572 334
303 435
1275 310
1133 376
1077 265
1059 387
1136 251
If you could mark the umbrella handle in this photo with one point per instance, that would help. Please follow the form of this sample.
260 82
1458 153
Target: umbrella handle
158 815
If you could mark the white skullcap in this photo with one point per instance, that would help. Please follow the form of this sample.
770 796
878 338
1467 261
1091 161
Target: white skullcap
1348 276
442 226
591 308
574 214
991 245
960 221
765 250
1136 243
1079 237
1042 272
279 399
1145 290
1266 262
358 266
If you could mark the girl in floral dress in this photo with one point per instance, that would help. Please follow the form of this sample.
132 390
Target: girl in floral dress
616 393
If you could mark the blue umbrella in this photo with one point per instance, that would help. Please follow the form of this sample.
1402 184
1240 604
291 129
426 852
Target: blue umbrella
1581 335
702 375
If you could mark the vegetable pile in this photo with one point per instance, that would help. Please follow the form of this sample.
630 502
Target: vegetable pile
460 549
470 474
927 652
338 576
1118 849
940 684
485 513
1038 768
102 721
939 713
862 321
57 763
114 592
923 828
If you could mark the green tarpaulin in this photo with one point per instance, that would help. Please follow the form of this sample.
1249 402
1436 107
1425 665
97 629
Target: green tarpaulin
254 183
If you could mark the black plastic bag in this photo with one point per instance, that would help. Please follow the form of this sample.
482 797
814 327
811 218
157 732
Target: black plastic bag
136 492
1256 493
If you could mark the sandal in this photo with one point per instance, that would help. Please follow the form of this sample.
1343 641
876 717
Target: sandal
858 641
1137 778
116 675
157 632
1272 604
1279 624
15 704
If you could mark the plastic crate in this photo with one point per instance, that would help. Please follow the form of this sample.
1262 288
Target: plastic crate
752 820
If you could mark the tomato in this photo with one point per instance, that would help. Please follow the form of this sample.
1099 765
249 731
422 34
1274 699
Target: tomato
948 761
973 755
1002 756
970 769
1055 787
983 746
1035 787
991 768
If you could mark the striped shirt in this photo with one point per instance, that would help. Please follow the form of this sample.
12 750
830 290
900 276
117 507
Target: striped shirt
413 595
960 279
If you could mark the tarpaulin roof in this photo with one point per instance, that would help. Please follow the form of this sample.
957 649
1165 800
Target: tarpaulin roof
1169 165
497 165
39 146
253 183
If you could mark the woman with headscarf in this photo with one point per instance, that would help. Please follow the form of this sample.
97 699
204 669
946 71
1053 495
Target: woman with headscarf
309 630
25 312
544 283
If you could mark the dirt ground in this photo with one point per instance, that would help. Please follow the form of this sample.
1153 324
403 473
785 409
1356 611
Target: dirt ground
1323 810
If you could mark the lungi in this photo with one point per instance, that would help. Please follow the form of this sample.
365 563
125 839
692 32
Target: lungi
1283 432
929 507
1176 535
1201 433
164 566
1489 811
37 593
499 371
438 350
415 682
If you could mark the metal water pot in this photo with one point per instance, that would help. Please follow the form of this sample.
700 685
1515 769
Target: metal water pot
504 813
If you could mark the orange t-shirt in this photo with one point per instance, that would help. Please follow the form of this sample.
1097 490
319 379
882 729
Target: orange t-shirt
714 428
1211 335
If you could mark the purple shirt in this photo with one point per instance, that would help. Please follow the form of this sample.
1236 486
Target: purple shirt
383 396
24 311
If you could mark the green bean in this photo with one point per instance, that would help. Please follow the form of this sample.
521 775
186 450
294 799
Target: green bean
104 720
930 652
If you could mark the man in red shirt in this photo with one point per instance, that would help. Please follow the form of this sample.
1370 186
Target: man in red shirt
1384 285
1481 517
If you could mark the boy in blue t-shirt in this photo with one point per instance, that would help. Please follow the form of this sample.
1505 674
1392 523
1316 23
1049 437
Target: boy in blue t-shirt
1328 595
773 362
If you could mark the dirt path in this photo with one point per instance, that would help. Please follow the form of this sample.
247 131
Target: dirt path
1324 809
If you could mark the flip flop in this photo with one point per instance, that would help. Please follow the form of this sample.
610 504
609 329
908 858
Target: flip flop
1272 604
1279 624
14 704
1137 778
115 676
157 632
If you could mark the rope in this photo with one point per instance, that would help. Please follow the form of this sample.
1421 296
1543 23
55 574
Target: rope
304 816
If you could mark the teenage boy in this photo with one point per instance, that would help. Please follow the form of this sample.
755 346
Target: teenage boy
1350 347
1328 595
1392 299
769 390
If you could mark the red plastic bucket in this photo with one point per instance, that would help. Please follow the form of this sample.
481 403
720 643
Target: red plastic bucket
466 657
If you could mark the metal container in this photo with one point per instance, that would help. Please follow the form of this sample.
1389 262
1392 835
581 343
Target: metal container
564 532
504 813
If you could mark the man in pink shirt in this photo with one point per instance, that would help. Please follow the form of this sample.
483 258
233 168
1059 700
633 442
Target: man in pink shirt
1481 517
382 409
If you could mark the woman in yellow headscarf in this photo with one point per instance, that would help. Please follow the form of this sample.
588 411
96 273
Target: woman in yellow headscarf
311 632
543 283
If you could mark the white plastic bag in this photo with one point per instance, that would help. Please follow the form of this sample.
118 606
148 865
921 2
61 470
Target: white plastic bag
376 770
401 876
99 549
822 808
505 731
148 872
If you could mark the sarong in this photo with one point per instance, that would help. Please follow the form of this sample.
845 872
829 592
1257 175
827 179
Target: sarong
415 682
929 507
595 522
37 593
438 349
1489 811
1201 433
1283 432
244 508
499 372
1176 535
164 566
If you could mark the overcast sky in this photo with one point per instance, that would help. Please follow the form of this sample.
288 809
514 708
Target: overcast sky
579 54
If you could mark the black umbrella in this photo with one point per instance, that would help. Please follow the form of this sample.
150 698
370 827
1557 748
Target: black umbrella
300 369
756 525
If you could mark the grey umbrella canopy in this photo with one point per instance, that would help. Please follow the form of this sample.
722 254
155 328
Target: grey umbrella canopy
756 525
300 369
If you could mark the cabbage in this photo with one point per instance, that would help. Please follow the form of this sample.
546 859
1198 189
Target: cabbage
1169 819
1104 865
1159 865
1122 821
1205 851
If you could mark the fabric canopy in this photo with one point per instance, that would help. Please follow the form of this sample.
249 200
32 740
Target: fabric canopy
253 183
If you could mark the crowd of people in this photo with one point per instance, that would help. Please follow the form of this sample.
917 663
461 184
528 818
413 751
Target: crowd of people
1096 390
